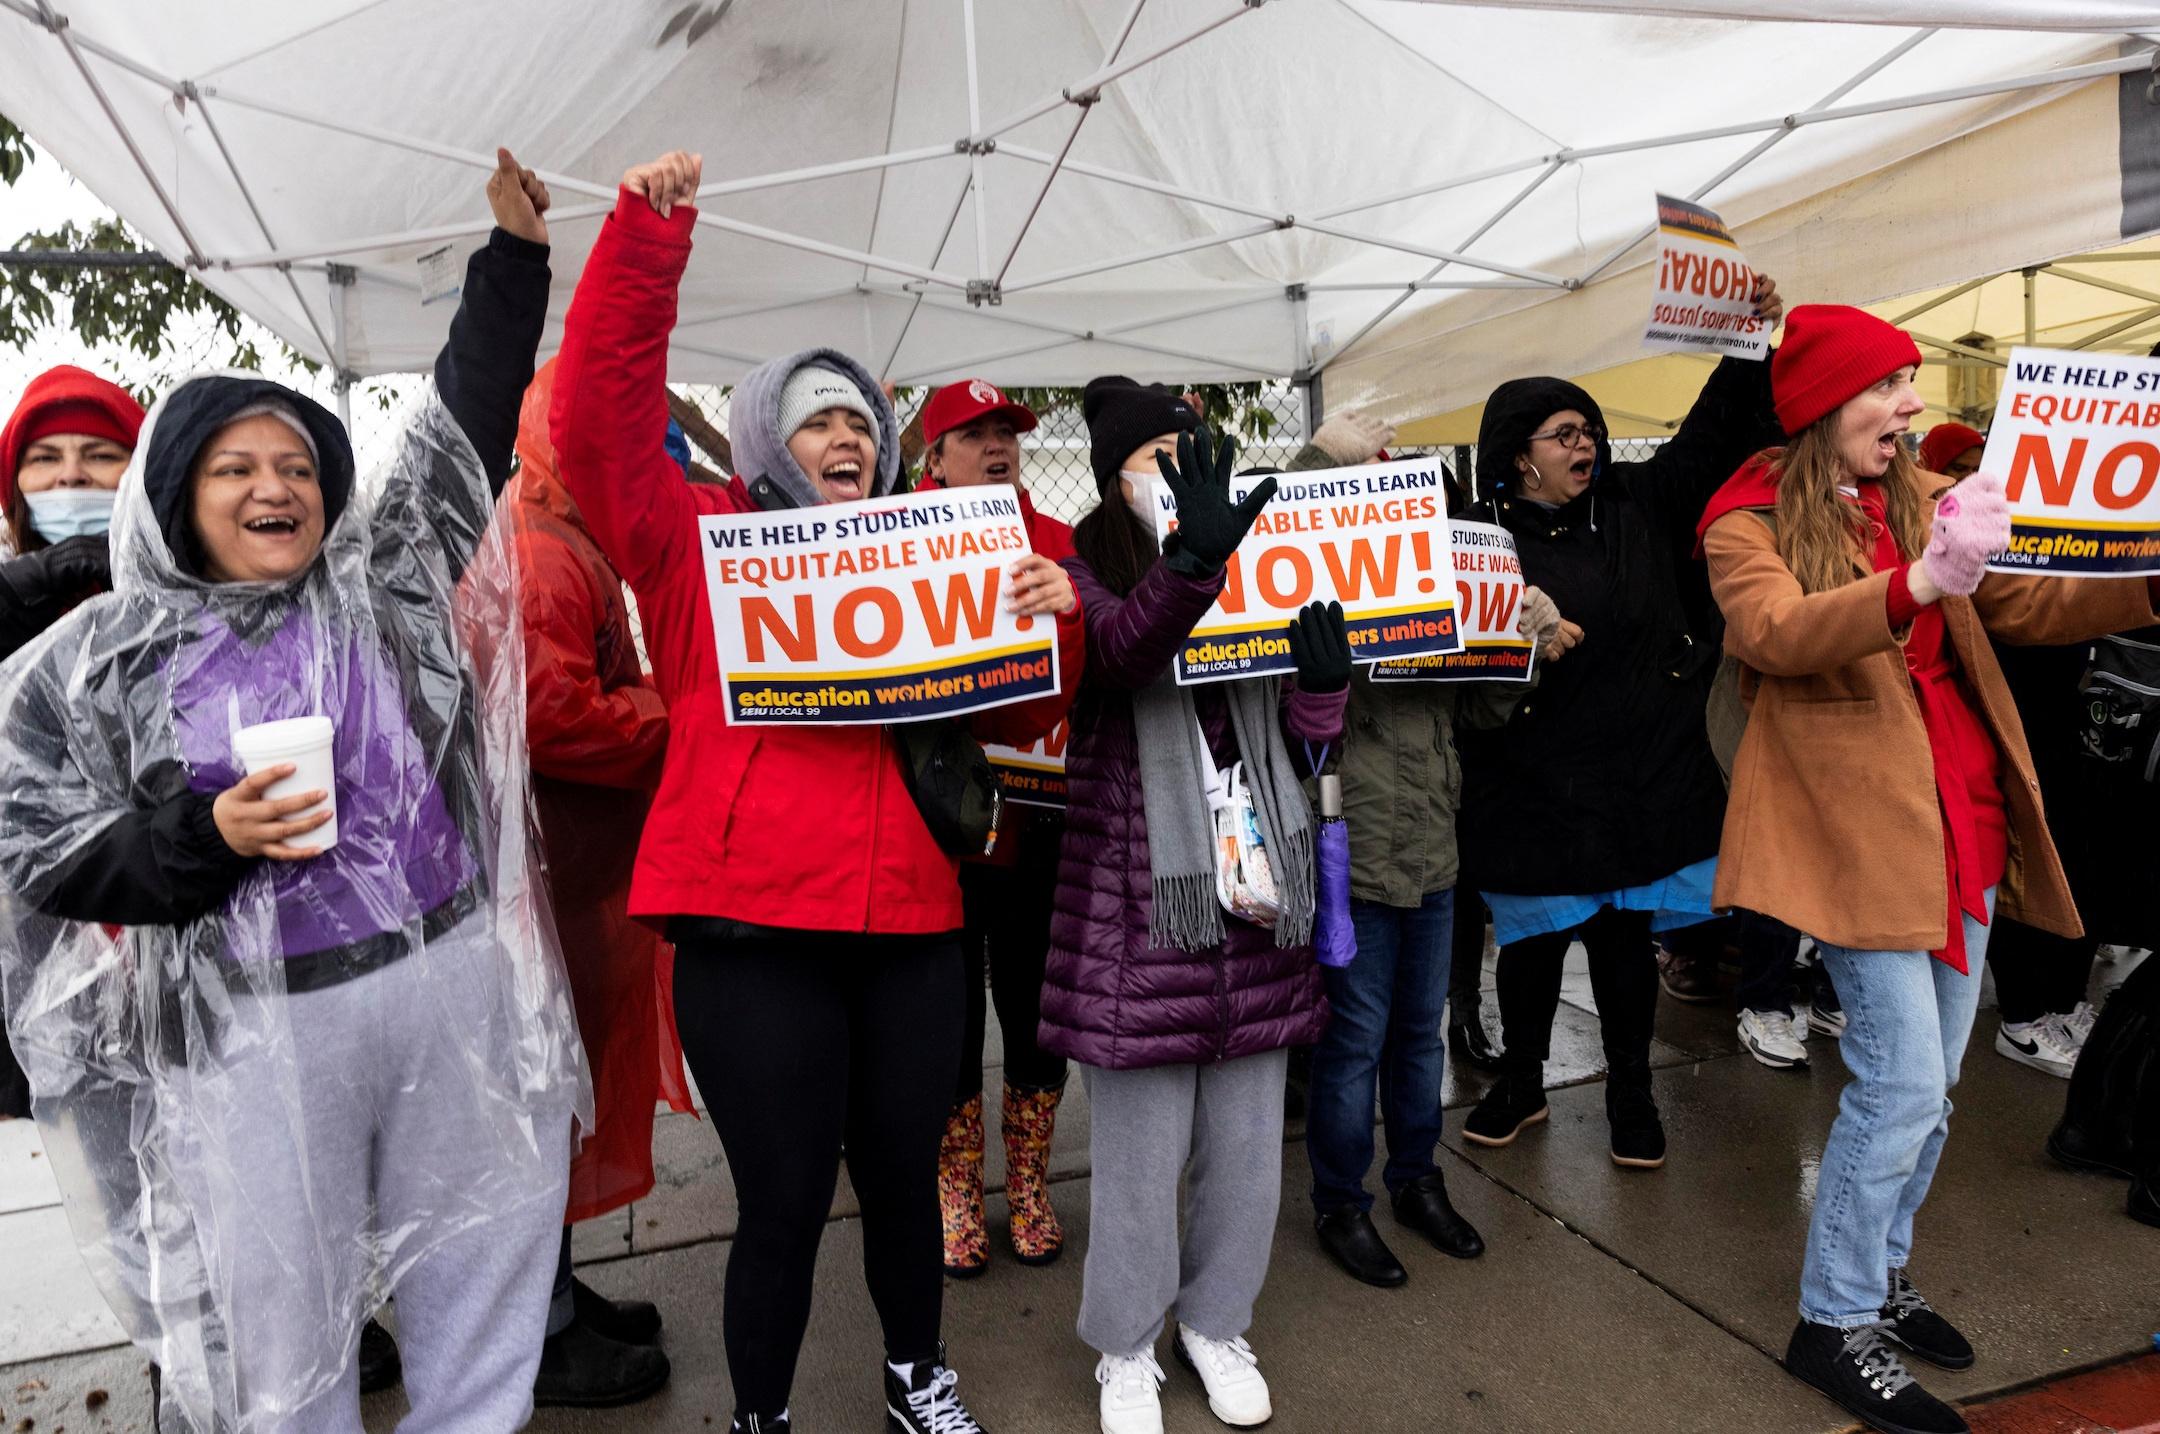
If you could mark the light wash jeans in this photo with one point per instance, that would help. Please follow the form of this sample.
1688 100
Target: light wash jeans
1907 1019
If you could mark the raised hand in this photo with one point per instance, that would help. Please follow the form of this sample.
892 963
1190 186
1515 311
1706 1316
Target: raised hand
1320 646
1209 526
1972 524
665 182
519 199
1769 304
1352 437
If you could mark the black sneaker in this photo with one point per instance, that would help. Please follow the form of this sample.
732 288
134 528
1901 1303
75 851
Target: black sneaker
924 1402
760 1423
1859 1370
629 1321
1910 1320
1638 1136
1515 1103
380 1366
582 1368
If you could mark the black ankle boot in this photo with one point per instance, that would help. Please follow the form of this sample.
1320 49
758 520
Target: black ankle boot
1423 1205
584 1369
1638 1136
1347 1234
1516 1102
625 1321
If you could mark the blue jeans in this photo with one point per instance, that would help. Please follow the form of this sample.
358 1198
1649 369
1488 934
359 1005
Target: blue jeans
1907 1019
1384 1029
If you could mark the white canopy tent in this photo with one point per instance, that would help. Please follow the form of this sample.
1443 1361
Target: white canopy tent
1409 200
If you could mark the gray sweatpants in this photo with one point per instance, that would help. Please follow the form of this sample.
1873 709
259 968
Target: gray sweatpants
369 1122
1220 1126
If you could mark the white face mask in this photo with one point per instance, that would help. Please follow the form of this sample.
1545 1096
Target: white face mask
58 514
1144 488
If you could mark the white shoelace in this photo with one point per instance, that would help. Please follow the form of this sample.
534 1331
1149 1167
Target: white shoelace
2079 1023
1226 1358
939 1408
1123 1375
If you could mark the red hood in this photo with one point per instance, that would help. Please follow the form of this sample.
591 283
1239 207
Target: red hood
537 482
1754 486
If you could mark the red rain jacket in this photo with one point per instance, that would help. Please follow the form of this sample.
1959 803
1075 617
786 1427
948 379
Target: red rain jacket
597 731
808 827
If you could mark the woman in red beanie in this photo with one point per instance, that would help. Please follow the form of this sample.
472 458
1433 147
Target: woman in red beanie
1881 798
61 456
1952 450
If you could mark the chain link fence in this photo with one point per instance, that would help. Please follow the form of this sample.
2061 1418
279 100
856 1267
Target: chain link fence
1055 464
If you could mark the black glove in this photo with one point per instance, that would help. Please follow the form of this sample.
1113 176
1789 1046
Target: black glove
36 588
1209 525
1320 646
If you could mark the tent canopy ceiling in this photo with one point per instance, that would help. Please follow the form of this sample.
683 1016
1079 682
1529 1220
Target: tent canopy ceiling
1042 190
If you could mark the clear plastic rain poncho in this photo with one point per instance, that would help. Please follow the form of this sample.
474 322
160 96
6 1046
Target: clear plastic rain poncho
263 1117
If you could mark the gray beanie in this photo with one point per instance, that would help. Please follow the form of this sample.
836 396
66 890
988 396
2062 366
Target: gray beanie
812 389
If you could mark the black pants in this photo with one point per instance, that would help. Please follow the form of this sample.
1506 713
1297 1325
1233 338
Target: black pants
1466 972
2038 973
1768 948
1008 931
802 1041
1623 978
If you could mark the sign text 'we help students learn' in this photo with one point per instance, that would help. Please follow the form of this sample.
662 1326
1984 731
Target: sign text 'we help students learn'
2076 439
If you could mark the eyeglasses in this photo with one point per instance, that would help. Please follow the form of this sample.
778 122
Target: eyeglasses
1567 435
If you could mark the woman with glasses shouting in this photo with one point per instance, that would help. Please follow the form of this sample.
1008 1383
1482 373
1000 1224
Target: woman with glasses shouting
1593 814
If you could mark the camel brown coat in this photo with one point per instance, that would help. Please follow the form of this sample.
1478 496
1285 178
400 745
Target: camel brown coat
1833 825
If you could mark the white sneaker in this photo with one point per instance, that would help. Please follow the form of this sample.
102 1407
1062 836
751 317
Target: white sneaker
2079 1024
1231 1371
1130 1383
1775 1039
2045 1045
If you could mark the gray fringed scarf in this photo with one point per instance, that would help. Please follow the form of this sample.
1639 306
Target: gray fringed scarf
1184 912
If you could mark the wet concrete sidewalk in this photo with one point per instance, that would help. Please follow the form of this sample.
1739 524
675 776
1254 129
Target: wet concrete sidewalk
1608 1300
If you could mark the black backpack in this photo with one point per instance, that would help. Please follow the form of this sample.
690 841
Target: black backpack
2120 725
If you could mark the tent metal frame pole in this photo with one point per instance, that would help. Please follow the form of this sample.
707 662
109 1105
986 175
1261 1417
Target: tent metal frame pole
981 200
2095 281
747 311
892 354
2143 316
1953 347
1079 91
60 29
1198 197
35 11
1132 18
714 351
232 167
439 233
1129 261
1480 232
1444 256
2141 256
1111 334
1943 298
1043 326
751 184
1441 186
2032 306
341 285
1884 61
1377 286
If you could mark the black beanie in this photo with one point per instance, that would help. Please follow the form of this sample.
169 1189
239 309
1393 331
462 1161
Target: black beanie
1121 415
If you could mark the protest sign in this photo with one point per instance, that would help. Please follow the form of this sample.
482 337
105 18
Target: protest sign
2076 440
1705 300
1033 775
887 610
1488 593
1372 538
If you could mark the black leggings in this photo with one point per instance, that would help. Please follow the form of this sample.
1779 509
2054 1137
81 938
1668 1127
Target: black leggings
801 1041
1466 970
1008 930
1623 978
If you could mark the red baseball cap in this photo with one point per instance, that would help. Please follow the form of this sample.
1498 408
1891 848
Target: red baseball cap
958 404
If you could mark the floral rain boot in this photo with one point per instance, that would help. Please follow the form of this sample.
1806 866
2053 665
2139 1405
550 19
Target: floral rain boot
960 1191
1030 1119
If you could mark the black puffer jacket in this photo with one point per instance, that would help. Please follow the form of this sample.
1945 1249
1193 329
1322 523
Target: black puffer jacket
1603 778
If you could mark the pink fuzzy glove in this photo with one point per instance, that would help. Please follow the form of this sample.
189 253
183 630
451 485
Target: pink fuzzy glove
1972 524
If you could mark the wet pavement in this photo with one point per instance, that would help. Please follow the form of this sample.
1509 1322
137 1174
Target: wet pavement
1608 1299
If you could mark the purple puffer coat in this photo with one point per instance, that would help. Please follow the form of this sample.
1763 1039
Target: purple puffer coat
1110 999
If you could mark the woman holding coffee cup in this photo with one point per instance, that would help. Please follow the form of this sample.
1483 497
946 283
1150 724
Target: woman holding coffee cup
335 1012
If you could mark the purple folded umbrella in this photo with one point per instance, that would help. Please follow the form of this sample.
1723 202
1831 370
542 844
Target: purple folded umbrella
1333 939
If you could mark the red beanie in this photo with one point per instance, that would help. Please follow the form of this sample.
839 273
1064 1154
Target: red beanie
1830 353
65 399
1946 441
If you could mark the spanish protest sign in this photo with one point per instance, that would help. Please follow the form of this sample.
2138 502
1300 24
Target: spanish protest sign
1033 775
1488 593
1371 538
2076 439
887 610
1705 299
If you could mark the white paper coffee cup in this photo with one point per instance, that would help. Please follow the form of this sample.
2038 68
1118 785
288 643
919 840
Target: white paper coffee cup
306 743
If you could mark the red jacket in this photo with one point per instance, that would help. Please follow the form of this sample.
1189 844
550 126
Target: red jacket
805 827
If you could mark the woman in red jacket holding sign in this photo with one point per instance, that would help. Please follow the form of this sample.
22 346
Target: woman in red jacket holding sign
815 918
972 437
